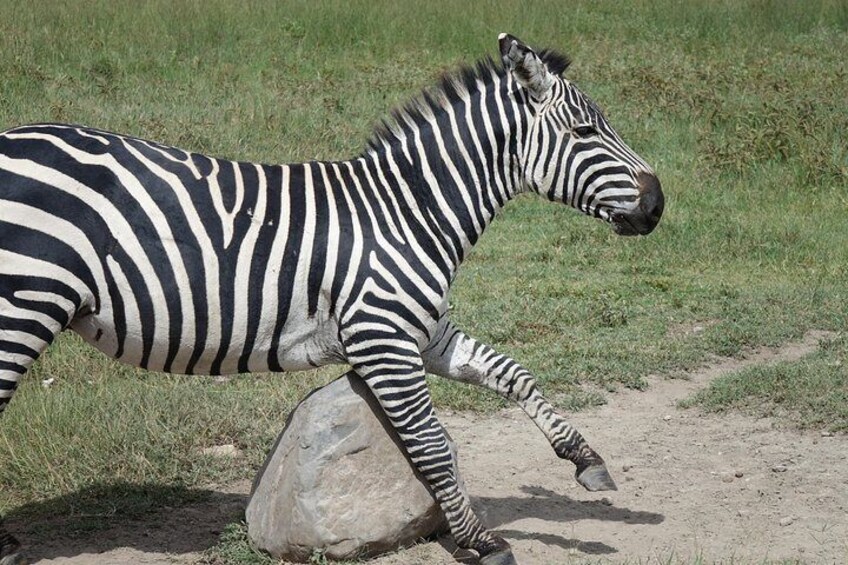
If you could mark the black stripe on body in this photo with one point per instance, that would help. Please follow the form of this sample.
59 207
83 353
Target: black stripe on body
346 236
288 269
317 263
228 259
261 254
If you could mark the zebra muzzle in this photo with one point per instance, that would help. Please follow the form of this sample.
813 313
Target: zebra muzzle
646 215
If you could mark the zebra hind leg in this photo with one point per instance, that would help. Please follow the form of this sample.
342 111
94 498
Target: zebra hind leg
9 548
25 332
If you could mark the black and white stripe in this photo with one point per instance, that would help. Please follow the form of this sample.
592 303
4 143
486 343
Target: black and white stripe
180 262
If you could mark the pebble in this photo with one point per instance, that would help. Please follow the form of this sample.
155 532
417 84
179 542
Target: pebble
786 520
667 417
606 501
826 434
228 450
779 468
47 383
727 478
625 468
741 513
738 474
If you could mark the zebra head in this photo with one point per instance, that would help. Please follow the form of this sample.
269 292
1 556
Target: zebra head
570 152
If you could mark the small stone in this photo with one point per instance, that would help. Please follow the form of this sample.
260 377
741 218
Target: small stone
826 434
625 468
47 383
738 474
727 478
228 450
742 513
697 329
779 468
667 417
786 520
606 501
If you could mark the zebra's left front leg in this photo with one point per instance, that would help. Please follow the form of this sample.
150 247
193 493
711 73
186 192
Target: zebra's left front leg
391 366
454 355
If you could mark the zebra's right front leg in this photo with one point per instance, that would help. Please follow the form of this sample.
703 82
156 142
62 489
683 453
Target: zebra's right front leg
455 355
393 370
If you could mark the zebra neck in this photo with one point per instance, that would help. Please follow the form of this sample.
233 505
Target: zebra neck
447 187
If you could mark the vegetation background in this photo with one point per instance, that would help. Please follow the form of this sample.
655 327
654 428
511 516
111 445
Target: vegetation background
742 107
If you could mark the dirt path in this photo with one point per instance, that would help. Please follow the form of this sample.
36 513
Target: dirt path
724 487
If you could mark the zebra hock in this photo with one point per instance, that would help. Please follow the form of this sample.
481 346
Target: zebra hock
180 262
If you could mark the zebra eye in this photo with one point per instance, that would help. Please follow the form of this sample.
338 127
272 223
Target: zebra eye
585 131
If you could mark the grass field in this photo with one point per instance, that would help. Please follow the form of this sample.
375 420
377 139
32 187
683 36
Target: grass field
741 107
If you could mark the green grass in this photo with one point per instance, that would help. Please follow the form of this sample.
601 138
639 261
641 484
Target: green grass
235 547
109 422
810 393
741 107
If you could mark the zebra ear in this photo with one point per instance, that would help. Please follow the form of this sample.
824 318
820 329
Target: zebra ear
525 65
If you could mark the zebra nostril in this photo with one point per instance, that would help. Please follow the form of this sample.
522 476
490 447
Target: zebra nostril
651 200
656 210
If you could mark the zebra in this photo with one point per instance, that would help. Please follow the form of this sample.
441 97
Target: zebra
180 262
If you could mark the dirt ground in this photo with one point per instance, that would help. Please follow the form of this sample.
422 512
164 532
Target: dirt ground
720 487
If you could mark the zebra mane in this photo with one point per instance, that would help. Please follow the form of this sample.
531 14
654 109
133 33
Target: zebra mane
452 87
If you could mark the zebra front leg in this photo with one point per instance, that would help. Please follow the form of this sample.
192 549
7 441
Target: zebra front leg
454 355
393 370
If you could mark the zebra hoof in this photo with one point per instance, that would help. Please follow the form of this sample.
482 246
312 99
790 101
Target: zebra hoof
14 559
499 558
595 478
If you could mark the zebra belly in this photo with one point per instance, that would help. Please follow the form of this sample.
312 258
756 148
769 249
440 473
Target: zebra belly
304 344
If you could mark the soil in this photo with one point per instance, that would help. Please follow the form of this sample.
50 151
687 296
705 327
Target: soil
691 485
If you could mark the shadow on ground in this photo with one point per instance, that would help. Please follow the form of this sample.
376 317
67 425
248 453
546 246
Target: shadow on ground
176 520
148 517
543 504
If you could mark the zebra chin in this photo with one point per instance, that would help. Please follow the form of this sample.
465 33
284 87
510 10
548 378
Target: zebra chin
642 219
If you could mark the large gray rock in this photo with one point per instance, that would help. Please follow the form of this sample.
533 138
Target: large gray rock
337 481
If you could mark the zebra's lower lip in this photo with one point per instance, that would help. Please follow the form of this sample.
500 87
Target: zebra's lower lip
622 226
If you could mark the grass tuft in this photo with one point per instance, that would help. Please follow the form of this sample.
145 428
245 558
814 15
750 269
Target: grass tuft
810 393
